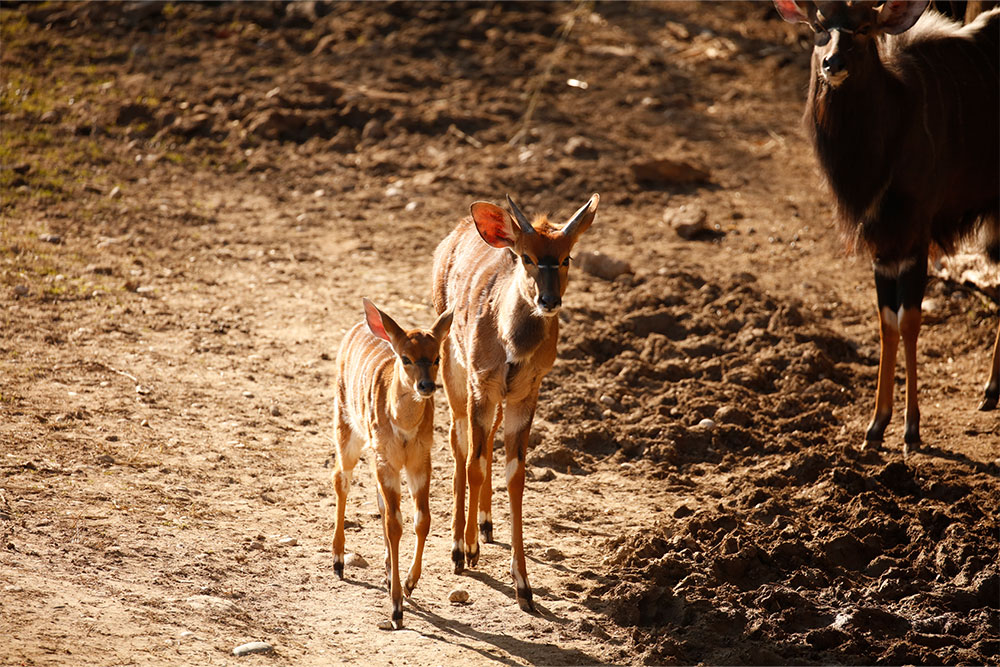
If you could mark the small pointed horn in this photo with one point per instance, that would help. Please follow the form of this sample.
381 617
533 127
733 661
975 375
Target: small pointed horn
522 221
588 209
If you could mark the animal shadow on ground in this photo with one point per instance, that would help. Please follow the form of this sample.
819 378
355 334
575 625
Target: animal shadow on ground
532 651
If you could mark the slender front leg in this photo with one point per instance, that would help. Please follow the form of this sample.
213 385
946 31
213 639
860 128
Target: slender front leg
459 448
909 327
481 416
888 328
992 391
911 285
389 490
486 493
517 429
419 477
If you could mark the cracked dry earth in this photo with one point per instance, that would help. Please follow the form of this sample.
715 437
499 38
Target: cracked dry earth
195 199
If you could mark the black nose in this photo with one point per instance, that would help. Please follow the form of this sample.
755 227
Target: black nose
549 301
425 386
833 63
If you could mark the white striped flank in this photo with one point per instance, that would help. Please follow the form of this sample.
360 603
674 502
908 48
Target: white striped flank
386 405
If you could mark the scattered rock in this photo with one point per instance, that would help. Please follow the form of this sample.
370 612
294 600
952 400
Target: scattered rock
706 424
116 193
689 221
730 414
54 239
682 512
275 411
603 266
287 542
253 647
355 560
580 147
667 171
458 596
554 554
21 291
213 604
541 474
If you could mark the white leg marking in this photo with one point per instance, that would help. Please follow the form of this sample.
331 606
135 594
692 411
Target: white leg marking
891 318
512 466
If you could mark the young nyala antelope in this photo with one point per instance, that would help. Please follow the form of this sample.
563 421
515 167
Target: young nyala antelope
386 379
504 276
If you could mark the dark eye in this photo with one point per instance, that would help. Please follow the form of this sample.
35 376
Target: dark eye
437 361
565 262
406 362
822 37
526 260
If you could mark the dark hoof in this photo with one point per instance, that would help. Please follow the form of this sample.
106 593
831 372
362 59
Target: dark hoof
397 619
339 569
486 532
989 403
408 588
525 601
458 558
472 558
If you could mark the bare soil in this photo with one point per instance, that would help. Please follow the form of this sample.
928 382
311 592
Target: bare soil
195 199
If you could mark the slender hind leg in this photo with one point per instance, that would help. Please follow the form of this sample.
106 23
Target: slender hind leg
486 493
348 452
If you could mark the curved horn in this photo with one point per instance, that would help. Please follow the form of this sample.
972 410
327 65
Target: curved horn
522 221
587 210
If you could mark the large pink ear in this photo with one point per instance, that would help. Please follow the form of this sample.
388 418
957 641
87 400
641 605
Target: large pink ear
379 323
494 225
791 11
898 16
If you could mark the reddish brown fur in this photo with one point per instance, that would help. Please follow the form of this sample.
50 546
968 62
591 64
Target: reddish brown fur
501 345
386 404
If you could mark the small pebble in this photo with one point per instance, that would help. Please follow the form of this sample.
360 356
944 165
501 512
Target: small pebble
458 596
252 647
115 193
287 542
275 411
144 422
355 560
386 625
554 554
248 394
607 400
50 238
707 423
21 290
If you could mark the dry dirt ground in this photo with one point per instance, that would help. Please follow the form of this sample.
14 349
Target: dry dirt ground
195 199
